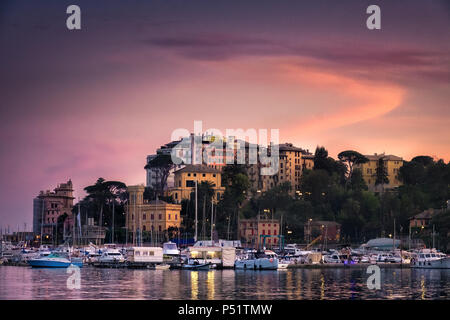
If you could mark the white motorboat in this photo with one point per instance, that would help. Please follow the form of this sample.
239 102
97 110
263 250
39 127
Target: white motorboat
266 260
170 249
111 256
283 264
53 260
162 266
430 259
194 264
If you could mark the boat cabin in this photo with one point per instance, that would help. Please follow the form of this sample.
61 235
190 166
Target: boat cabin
223 256
145 254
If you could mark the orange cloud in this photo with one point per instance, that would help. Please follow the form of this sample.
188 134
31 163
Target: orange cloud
353 100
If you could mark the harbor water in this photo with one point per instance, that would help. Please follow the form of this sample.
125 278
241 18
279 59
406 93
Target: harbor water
292 284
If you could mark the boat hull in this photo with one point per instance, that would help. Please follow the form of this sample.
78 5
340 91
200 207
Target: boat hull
53 264
434 264
257 264
196 267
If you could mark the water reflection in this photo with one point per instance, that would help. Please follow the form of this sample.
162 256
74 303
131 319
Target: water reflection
210 285
27 283
194 284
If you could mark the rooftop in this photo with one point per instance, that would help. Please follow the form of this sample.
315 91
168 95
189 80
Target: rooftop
198 169
383 155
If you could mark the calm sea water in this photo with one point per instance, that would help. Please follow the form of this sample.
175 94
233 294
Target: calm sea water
28 283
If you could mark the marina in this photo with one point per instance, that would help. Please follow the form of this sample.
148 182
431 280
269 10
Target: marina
294 284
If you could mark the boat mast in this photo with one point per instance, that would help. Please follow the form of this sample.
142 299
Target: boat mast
79 224
112 233
393 241
195 236
212 216
42 219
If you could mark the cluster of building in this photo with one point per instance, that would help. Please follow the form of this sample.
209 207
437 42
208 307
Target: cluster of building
158 216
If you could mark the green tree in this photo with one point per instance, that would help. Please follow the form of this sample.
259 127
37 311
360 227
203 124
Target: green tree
236 182
381 173
351 158
102 193
164 163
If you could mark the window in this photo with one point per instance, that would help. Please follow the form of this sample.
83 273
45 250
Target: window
169 217
144 216
275 232
190 183
195 174
264 232
176 195
189 174
214 175
179 183
203 175
152 217
160 216
144 228
176 217
268 232
159 228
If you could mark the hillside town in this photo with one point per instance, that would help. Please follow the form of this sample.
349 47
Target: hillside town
313 201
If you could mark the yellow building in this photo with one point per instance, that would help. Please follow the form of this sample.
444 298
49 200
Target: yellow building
307 161
251 230
369 170
186 178
292 162
156 215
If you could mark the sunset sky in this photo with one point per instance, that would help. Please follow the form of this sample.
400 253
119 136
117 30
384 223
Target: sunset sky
95 102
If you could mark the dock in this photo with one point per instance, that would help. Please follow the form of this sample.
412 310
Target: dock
383 265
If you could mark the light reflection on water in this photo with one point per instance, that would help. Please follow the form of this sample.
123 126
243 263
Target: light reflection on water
27 283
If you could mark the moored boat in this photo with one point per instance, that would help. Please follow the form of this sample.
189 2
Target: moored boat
195 265
162 267
53 261
111 256
263 260
430 259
